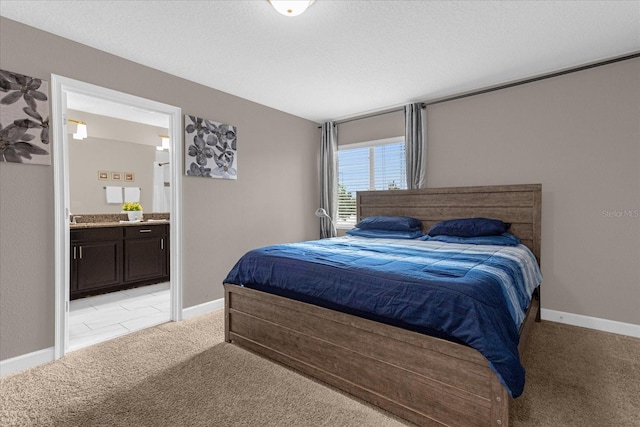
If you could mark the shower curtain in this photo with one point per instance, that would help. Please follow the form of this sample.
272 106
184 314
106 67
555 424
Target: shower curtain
161 188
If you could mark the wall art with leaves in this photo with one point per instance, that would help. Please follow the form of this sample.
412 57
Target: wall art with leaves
210 149
24 119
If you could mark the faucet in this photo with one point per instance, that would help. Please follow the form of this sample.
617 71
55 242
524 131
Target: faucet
74 218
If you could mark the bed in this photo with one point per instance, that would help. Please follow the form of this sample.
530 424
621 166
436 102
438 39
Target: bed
421 378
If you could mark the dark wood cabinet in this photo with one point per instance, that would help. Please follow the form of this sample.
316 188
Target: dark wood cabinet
98 265
96 259
145 254
114 258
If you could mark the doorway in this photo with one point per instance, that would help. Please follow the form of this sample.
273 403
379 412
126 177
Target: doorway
62 90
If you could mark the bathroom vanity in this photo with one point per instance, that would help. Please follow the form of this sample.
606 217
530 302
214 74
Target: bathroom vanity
111 256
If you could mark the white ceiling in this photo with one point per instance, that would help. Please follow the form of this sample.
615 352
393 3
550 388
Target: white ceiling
342 58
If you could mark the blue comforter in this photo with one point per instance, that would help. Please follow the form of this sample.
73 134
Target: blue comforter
474 294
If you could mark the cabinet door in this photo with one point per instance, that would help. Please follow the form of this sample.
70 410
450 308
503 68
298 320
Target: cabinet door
98 264
145 258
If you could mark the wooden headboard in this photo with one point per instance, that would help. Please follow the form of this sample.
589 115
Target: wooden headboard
518 204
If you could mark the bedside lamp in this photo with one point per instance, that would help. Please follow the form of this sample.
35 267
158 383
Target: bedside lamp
321 213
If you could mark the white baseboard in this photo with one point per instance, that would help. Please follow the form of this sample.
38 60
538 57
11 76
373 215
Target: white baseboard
25 361
204 308
39 357
29 360
592 323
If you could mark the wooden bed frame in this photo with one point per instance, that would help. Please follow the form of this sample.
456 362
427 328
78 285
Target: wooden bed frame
426 380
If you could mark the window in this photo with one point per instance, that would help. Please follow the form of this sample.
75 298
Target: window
373 165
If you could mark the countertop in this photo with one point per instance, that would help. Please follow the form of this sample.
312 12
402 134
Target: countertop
118 224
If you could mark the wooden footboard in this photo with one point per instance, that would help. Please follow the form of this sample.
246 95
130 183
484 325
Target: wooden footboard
426 380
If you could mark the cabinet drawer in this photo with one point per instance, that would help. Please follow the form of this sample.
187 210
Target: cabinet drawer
144 231
96 234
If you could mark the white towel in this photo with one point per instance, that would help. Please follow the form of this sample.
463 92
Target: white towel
114 194
132 194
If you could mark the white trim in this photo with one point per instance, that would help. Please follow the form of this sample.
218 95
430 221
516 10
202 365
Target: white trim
26 361
204 308
60 212
176 133
60 87
596 323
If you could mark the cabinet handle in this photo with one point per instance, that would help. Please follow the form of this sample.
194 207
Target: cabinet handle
162 243
145 231
80 252
74 252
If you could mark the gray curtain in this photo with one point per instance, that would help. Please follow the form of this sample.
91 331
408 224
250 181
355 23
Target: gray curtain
415 135
328 178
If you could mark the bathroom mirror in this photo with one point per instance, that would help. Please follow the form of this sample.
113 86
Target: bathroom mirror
121 156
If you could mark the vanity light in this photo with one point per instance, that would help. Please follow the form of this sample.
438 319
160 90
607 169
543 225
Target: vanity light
81 132
81 129
165 143
291 7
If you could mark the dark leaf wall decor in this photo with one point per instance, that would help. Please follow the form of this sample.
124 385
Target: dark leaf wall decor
210 148
24 119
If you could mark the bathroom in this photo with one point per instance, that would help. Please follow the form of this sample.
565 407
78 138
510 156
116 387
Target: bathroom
119 273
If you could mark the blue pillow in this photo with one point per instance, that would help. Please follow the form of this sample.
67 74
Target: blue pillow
385 234
505 239
391 223
470 227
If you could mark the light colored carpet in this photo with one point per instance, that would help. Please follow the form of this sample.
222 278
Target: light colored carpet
183 374
579 377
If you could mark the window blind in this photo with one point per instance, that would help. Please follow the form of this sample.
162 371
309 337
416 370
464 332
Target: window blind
368 167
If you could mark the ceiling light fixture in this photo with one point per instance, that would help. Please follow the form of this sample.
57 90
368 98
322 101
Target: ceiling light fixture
81 129
291 7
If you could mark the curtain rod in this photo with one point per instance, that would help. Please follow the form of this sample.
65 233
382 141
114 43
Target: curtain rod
367 116
535 79
503 86
379 113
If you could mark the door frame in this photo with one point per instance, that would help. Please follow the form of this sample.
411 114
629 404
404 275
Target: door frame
60 87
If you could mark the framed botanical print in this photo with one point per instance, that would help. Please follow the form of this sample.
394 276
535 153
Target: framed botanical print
210 149
24 119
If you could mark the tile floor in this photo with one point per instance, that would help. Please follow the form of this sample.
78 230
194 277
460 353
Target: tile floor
103 317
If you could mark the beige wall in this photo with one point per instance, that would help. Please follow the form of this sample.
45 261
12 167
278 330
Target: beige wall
87 157
112 145
373 128
578 135
222 219
104 127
